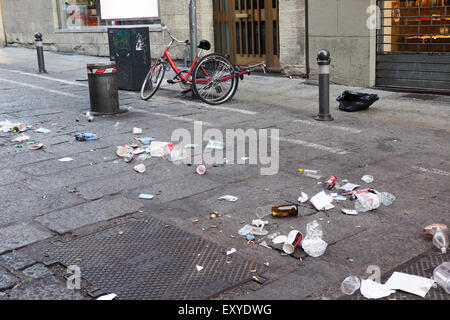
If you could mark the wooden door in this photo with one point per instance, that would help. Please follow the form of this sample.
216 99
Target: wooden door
247 30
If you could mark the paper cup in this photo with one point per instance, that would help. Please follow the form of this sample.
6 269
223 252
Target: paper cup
201 169
140 168
293 240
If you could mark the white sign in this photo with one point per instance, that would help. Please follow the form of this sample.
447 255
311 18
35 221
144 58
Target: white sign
129 9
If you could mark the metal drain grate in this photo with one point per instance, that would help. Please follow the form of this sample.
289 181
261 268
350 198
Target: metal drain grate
422 265
147 260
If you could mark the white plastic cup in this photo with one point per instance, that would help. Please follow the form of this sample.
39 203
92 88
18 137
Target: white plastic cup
350 285
293 240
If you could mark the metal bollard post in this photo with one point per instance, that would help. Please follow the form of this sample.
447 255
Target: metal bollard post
324 61
40 52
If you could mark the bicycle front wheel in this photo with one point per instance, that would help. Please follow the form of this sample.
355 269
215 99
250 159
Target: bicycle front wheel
153 80
214 79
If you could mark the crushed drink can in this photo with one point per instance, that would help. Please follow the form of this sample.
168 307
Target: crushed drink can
331 182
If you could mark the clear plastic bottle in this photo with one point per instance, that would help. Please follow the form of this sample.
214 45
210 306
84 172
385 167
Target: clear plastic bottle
440 240
85 136
442 276
311 173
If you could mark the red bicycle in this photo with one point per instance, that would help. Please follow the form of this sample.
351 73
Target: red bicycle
213 78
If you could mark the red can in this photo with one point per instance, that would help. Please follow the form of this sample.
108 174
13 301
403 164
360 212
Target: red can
331 182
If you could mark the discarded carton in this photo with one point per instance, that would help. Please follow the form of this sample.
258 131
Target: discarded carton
322 201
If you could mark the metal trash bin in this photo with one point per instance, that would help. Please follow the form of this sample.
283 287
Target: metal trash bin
103 88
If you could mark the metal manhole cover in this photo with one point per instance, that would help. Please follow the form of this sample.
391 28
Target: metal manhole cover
148 260
422 265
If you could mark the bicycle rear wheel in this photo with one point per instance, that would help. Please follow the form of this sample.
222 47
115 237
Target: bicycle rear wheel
214 79
153 80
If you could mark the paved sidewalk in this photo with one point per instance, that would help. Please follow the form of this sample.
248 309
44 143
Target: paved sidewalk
402 140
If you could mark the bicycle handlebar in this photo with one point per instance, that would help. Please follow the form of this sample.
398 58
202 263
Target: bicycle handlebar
164 27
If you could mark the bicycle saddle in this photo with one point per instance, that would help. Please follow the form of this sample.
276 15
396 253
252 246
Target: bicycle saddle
204 44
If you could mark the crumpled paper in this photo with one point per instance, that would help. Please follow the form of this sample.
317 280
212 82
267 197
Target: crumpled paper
374 290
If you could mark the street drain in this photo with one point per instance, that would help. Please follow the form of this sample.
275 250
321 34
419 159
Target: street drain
422 265
148 260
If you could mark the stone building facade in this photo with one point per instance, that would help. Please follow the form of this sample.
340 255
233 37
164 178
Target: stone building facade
22 18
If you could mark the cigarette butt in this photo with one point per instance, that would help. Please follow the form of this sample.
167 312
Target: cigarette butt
253 271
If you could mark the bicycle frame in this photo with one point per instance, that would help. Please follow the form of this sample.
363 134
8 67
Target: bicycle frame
185 78
166 55
179 72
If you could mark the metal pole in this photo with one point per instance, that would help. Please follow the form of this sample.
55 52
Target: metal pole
40 52
324 61
3 41
193 28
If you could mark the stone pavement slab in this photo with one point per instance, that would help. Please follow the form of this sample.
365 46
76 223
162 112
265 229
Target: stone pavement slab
18 260
7 280
19 235
89 213
37 271
48 288
402 141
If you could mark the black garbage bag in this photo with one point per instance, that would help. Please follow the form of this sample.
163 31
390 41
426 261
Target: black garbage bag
354 101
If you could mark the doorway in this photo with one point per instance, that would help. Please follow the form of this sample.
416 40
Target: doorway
247 30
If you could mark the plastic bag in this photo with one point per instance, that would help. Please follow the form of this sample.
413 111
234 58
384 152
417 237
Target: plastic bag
354 101
313 244
367 201
387 198
248 229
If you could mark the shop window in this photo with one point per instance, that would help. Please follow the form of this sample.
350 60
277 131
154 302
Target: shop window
419 26
77 14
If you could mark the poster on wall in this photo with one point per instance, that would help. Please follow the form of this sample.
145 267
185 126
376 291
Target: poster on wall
129 10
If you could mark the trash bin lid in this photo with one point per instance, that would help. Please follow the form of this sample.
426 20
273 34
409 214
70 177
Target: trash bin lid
111 64
109 67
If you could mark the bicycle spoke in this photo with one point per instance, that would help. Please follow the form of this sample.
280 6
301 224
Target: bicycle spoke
215 80
152 81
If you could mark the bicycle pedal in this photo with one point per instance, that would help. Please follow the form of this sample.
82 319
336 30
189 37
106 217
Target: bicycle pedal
170 81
